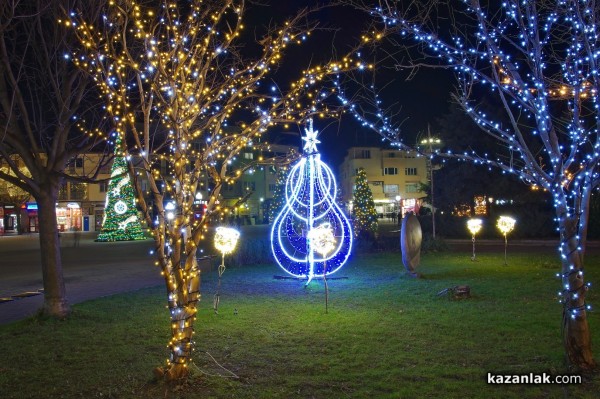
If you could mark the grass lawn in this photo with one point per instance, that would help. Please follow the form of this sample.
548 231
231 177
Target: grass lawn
386 335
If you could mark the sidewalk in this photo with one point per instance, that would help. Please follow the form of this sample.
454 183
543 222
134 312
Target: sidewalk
91 270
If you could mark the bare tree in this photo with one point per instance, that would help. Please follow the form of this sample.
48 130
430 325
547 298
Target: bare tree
538 59
189 93
42 112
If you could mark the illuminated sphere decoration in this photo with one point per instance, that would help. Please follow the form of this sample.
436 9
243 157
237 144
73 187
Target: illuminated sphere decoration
505 224
310 192
322 239
474 226
226 239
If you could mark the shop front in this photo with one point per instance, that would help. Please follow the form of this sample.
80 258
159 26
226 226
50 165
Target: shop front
31 210
69 216
10 219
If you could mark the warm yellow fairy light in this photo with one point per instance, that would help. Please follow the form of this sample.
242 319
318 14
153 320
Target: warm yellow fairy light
474 226
322 239
505 224
225 239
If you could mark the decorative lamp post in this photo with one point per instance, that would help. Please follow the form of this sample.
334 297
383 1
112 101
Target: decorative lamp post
322 241
474 226
225 240
505 224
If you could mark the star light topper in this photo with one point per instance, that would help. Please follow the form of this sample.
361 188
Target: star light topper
310 146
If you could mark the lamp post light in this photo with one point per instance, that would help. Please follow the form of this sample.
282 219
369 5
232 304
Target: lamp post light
322 241
429 143
399 203
225 240
474 226
505 224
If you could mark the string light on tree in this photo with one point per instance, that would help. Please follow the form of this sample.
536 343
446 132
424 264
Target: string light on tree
173 77
539 60
364 214
310 194
121 222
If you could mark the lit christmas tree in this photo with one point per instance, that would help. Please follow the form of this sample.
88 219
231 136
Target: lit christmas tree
120 221
363 208
310 193
278 200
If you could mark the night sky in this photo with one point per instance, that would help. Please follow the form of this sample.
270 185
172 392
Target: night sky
421 100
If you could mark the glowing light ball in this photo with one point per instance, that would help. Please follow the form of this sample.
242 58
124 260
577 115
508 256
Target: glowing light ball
310 198
226 239
322 239
474 226
505 224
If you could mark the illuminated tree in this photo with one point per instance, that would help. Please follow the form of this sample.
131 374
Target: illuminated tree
120 221
44 105
174 77
278 199
363 208
539 60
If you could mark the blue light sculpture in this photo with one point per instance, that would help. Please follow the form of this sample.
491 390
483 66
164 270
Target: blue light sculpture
310 192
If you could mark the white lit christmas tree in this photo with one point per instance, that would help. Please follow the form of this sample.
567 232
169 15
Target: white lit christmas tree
120 221
310 193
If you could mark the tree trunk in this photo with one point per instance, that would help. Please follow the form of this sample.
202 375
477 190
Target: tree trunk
55 298
182 279
576 331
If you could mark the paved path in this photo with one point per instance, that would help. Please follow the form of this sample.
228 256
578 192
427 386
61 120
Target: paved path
91 270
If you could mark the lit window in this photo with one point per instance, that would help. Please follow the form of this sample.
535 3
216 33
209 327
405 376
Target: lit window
412 187
390 188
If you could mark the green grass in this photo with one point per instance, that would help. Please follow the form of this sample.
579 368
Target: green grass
386 335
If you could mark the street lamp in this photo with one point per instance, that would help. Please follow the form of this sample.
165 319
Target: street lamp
225 240
322 240
505 224
430 142
474 226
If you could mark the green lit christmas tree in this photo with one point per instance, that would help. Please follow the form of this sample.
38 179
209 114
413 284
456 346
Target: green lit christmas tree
121 221
278 200
363 209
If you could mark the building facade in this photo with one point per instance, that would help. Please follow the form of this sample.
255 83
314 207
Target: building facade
394 176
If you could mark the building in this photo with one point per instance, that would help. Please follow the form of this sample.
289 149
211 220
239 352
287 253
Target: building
251 194
394 176
80 205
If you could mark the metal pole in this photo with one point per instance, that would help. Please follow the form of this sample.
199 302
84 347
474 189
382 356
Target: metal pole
431 181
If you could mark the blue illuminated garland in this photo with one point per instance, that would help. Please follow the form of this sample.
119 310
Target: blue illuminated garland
310 192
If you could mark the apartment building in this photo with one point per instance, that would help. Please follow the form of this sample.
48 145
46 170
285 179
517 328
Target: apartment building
394 177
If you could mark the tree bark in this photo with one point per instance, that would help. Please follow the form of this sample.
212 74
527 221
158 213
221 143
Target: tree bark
576 331
55 297
182 279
